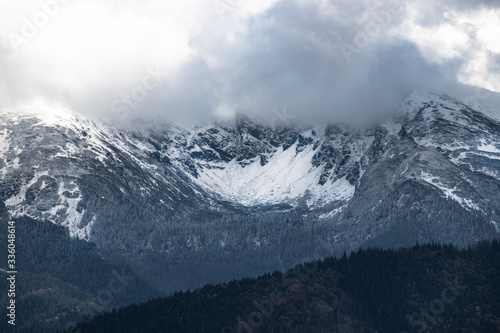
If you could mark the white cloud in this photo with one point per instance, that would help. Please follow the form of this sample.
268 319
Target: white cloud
439 43
256 56
470 36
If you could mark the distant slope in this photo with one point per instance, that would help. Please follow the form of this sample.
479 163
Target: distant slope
425 288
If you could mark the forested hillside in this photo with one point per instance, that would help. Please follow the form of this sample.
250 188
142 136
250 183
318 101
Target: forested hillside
62 280
430 288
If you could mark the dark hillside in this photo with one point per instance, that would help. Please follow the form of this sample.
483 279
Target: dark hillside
431 288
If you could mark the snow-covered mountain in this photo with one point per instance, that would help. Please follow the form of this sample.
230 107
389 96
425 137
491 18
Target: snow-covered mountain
430 173
58 165
453 149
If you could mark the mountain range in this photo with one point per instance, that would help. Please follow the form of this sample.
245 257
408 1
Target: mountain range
182 207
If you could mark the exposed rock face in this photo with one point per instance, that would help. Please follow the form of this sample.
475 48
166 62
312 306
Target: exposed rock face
252 197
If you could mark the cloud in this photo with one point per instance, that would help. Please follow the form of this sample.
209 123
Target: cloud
321 60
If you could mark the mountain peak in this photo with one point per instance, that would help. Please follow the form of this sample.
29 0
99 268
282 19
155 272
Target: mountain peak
415 101
432 106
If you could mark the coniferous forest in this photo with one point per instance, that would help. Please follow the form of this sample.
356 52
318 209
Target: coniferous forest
425 288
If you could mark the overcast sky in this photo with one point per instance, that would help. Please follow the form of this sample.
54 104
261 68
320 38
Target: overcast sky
199 59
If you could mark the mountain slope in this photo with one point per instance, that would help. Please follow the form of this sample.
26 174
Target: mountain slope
425 288
186 206
62 280
242 163
52 165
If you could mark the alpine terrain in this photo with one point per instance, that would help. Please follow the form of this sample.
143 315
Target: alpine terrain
180 207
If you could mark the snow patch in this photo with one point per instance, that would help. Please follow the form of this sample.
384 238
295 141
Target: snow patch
286 177
488 147
332 213
19 198
448 192
67 206
70 150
